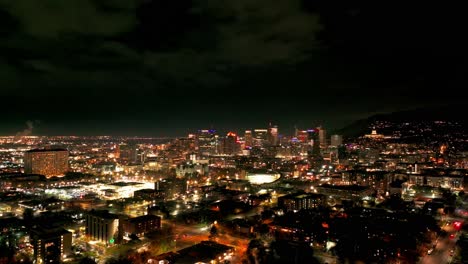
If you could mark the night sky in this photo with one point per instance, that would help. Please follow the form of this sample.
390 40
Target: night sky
168 67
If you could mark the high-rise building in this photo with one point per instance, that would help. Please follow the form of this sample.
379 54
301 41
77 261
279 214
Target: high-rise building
322 137
206 142
47 162
260 136
314 141
102 226
128 153
302 136
248 138
231 145
51 245
273 135
336 140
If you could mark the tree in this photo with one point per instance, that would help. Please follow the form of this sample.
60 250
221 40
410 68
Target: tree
134 237
120 260
87 260
213 232
28 217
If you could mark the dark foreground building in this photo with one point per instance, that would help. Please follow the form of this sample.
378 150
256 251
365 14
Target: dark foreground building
204 252
51 245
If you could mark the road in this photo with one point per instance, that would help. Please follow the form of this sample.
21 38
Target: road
444 246
184 235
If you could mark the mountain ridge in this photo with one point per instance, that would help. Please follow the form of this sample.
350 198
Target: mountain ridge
455 113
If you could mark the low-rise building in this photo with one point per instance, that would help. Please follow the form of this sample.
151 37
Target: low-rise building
149 194
300 201
345 192
204 252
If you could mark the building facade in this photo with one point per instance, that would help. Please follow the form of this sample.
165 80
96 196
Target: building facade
51 246
102 226
336 140
46 162
296 202
141 225
207 142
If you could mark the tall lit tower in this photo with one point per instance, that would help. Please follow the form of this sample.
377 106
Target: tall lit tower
336 140
206 142
322 137
248 138
313 139
231 145
273 135
260 136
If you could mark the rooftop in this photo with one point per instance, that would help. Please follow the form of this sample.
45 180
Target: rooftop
47 150
143 218
202 252
103 214
344 187
49 233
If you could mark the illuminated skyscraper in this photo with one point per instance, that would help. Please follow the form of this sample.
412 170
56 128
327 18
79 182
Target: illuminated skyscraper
128 153
248 138
313 140
53 162
273 135
206 142
302 136
336 140
231 145
322 137
260 137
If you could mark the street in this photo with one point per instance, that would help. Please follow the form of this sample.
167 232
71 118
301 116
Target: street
445 249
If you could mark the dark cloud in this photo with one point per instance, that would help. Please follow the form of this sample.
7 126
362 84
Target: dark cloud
148 61
50 18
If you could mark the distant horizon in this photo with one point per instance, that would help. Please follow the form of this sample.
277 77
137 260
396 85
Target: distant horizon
41 128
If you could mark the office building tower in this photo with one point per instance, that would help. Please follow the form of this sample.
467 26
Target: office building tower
260 137
206 142
273 135
336 140
302 136
231 145
322 137
128 153
51 245
248 138
47 162
314 142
